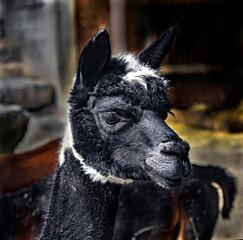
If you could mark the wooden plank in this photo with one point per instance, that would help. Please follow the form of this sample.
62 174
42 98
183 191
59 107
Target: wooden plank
22 170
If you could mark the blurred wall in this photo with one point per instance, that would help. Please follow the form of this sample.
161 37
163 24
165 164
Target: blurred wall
204 64
205 61
45 31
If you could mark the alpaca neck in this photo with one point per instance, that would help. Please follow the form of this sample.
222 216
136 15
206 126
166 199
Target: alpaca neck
80 208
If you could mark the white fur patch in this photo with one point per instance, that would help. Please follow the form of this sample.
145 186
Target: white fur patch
135 76
95 175
137 71
67 142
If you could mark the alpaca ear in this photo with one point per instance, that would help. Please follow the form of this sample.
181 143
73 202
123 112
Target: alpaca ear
155 53
93 59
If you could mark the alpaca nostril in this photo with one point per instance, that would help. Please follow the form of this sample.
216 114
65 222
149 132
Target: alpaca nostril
180 149
171 150
169 153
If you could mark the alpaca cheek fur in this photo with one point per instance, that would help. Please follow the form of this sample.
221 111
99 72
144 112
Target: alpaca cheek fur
67 143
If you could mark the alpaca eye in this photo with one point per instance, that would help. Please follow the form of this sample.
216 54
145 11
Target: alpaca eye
112 119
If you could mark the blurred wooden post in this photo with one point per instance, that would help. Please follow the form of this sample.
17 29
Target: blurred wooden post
118 25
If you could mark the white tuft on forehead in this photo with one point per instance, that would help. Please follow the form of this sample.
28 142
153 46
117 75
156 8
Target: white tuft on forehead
136 71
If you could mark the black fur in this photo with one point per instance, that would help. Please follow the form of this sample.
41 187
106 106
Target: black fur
81 209
226 181
154 53
93 60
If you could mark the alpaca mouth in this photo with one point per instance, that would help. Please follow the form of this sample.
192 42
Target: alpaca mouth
168 170
164 182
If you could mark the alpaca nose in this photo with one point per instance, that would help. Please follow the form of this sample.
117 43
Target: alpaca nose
177 148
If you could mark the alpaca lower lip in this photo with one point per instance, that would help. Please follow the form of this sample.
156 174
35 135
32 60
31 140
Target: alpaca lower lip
166 182
167 172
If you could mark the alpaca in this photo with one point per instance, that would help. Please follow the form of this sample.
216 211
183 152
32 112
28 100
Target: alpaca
85 192
115 133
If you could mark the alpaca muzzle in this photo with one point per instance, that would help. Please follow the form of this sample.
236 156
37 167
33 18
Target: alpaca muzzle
169 163
178 150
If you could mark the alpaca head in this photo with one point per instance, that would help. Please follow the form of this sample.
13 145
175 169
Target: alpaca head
118 107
